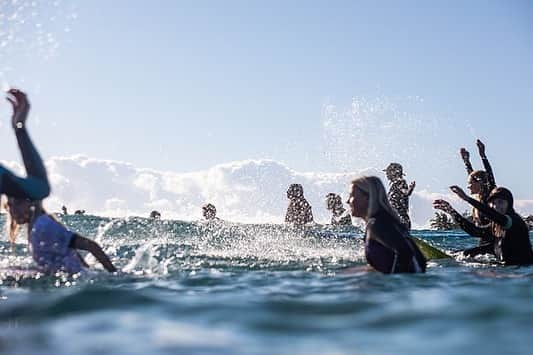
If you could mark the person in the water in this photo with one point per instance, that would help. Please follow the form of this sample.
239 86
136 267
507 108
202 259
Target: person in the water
155 215
53 246
209 212
339 216
299 211
399 192
480 184
35 186
388 245
509 231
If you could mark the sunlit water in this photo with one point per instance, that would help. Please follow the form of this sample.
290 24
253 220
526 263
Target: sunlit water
229 288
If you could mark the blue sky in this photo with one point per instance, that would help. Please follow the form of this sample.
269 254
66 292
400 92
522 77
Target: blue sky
182 86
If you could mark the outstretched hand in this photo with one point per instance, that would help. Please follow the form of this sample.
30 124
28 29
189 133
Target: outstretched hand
21 107
443 206
412 186
464 154
481 148
459 192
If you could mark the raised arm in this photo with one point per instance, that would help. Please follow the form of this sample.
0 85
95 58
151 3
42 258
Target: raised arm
486 165
35 186
82 243
469 227
490 213
466 159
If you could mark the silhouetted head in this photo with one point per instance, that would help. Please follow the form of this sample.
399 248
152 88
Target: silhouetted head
209 211
368 198
155 215
478 182
333 201
295 191
394 171
501 199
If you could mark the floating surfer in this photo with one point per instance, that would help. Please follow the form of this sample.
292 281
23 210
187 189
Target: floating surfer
388 246
299 211
209 211
399 192
508 230
339 215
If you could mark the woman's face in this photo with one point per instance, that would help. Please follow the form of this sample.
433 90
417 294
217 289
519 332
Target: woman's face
358 202
500 205
474 186
19 210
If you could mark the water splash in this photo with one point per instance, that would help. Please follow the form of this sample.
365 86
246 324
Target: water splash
373 132
34 30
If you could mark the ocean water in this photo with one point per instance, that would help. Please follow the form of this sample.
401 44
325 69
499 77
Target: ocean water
258 289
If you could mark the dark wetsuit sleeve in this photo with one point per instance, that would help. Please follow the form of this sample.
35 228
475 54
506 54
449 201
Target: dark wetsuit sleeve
490 173
470 228
468 166
490 213
35 186
388 237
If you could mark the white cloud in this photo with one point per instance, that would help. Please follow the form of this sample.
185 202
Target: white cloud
245 191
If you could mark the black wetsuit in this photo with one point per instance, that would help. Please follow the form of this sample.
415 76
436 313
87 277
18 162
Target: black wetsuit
399 199
513 247
299 212
35 186
388 247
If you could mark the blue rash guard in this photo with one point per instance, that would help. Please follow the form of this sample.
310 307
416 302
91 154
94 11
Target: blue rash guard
36 185
388 247
50 246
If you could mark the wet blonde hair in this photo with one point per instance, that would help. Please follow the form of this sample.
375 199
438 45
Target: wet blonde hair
378 200
13 227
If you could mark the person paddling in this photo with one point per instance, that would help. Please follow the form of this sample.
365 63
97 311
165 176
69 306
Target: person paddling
388 245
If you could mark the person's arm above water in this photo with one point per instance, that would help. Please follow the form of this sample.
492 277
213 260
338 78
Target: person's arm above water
82 243
35 186
308 213
411 188
467 226
466 159
490 213
486 165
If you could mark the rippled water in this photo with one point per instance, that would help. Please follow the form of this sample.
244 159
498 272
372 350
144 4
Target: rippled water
229 288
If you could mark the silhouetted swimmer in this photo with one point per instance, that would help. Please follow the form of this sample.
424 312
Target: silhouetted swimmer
209 212
79 212
35 186
299 210
340 216
53 246
388 246
509 231
155 215
399 192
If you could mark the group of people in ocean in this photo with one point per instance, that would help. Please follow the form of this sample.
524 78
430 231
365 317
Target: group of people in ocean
389 247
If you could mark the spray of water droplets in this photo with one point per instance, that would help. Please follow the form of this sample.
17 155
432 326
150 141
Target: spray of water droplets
32 29
374 132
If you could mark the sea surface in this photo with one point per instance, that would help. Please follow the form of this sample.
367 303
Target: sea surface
225 288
